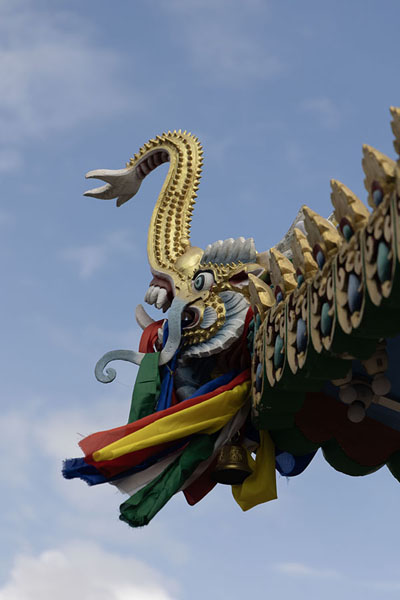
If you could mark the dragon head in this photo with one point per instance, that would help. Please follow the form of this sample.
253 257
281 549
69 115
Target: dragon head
204 291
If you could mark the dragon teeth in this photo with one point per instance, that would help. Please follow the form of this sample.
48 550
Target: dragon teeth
157 296
161 298
152 294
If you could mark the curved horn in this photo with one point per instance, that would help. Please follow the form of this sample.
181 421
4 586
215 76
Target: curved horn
169 232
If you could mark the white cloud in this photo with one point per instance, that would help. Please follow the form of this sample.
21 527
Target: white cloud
34 465
91 258
218 43
295 569
14 443
324 109
53 77
83 570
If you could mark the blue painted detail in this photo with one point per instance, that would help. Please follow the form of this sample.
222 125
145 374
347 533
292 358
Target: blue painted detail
301 335
383 263
326 319
289 465
285 463
259 378
214 384
300 280
78 468
384 415
278 356
279 297
347 232
258 321
377 196
354 296
320 258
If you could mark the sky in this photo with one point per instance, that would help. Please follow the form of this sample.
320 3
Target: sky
282 96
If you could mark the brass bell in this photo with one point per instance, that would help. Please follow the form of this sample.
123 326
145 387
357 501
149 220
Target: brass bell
232 466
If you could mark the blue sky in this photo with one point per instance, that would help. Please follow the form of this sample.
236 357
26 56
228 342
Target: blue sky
282 96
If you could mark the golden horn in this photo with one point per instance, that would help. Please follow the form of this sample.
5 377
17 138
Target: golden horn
169 231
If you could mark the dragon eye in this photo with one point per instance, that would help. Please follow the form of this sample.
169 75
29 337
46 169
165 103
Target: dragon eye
203 281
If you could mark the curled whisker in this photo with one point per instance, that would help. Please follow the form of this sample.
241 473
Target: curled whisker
108 375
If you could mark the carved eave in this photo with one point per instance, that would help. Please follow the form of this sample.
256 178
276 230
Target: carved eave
321 233
348 206
395 111
380 173
261 296
303 259
283 274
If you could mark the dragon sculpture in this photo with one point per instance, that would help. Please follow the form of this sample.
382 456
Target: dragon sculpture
263 358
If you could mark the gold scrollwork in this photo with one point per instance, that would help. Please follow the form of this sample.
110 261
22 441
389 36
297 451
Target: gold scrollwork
350 284
257 368
379 252
275 356
298 327
323 315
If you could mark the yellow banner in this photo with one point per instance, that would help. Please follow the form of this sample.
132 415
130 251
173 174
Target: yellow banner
206 417
260 486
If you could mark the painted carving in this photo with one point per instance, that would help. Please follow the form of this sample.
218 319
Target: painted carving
271 354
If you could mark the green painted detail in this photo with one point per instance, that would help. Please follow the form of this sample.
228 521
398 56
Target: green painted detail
278 356
278 408
293 441
339 460
147 388
383 262
326 319
282 400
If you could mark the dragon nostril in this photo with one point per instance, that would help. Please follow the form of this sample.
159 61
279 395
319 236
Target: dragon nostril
189 318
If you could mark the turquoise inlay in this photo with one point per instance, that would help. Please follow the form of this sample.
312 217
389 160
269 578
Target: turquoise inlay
354 296
278 356
259 378
300 279
301 335
347 232
326 319
383 262
377 197
320 258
